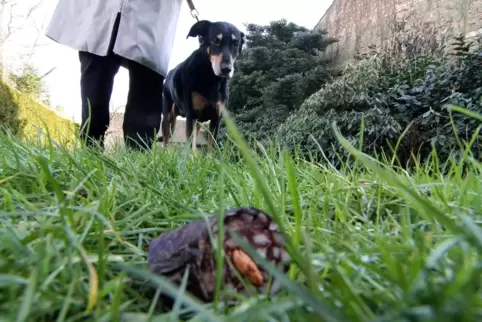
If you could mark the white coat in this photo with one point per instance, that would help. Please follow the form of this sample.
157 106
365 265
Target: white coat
146 31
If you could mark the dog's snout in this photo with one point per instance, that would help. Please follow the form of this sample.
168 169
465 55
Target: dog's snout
226 68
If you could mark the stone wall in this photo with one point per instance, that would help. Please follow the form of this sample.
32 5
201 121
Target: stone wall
358 24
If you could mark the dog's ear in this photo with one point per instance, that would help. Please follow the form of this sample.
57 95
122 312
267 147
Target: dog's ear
243 40
200 28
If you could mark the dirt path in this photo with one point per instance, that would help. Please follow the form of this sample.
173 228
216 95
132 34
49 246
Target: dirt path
114 132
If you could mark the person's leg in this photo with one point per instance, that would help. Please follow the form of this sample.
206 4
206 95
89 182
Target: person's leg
142 119
96 83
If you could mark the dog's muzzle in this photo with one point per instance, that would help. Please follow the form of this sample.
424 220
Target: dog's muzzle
226 68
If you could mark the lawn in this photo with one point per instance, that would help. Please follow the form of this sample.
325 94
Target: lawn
372 242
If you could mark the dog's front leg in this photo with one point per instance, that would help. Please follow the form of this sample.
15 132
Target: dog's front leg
189 130
196 133
214 124
213 132
222 99
166 119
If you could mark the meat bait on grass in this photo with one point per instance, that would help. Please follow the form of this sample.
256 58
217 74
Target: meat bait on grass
170 254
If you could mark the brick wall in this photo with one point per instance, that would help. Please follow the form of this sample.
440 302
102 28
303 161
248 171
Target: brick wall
358 24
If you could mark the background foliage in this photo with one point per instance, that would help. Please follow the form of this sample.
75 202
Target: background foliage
285 91
22 116
10 111
29 81
281 66
389 95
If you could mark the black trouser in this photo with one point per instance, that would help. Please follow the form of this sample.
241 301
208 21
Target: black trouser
143 110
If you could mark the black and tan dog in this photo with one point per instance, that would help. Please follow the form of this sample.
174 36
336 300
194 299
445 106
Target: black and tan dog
197 88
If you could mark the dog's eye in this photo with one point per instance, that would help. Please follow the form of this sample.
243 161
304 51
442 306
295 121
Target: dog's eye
235 43
217 41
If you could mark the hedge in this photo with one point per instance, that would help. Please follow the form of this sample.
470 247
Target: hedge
23 117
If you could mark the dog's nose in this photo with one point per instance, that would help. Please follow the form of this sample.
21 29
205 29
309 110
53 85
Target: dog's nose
225 69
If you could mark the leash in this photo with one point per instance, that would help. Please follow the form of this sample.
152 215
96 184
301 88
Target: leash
194 12
195 15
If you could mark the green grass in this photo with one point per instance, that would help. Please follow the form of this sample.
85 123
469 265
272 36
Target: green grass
370 243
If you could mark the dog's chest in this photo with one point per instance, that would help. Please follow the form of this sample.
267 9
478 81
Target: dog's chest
200 102
203 108
205 98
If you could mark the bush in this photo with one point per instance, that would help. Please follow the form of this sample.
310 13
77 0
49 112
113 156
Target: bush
278 70
30 82
390 95
23 117
9 111
308 132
